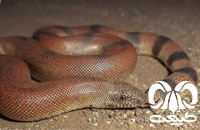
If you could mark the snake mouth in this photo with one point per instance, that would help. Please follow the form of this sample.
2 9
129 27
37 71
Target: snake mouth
147 104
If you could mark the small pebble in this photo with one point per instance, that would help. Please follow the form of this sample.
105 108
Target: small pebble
108 122
65 116
184 126
96 113
89 119
37 126
130 123
110 114
138 112
133 112
147 112
94 120
151 125
124 115
133 119
95 124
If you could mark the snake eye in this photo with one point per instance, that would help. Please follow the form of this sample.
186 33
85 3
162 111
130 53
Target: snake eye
123 97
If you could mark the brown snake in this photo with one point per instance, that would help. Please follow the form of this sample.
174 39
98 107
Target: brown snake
81 68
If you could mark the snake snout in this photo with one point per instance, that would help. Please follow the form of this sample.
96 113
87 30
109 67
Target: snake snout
127 96
141 100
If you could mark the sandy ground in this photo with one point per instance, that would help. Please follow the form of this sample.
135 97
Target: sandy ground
177 19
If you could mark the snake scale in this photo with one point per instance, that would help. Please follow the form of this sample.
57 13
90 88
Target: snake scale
81 67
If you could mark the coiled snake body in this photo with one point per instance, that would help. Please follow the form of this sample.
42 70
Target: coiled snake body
81 68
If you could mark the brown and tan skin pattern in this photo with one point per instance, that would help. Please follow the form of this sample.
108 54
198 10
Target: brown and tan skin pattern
160 47
78 53
20 99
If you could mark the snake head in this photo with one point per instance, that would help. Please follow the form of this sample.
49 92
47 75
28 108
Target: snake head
124 95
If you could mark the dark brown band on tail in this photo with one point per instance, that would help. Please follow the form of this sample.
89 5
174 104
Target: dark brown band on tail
95 28
189 71
37 34
64 29
158 44
177 56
